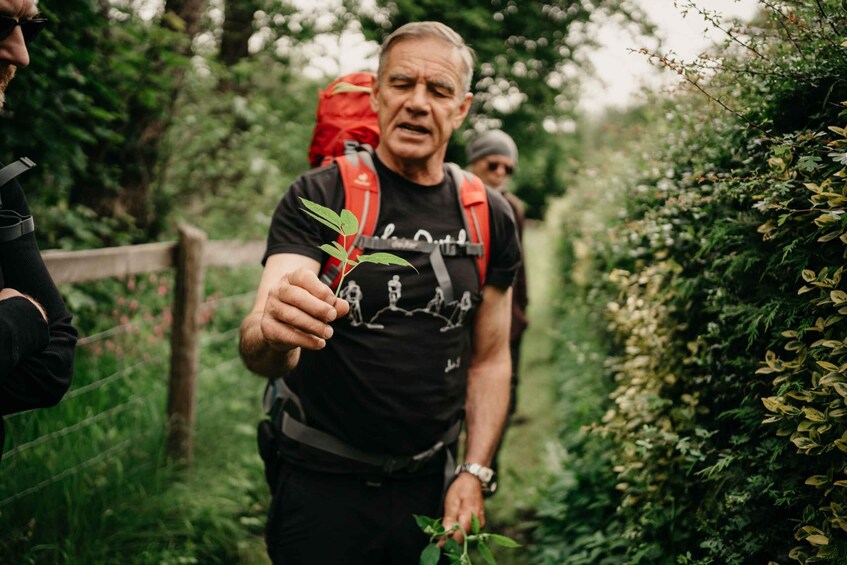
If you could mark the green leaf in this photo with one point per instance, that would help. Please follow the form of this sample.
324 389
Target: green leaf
503 541
486 553
841 388
803 443
334 227
430 554
818 539
829 236
808 163
349 222
384 259
451 547
827 365
424 521
474 524
817 480
322 214
333 251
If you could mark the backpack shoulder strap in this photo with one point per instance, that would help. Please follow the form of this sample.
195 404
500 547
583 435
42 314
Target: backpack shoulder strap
474 202
361 196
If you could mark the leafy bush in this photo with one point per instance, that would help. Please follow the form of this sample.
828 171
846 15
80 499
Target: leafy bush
696 296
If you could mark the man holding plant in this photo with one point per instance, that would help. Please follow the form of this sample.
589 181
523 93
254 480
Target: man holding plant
37 339
372 405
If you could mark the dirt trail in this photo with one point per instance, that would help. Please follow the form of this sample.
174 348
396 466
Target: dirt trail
523 468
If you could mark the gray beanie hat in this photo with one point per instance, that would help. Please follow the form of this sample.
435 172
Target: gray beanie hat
494 142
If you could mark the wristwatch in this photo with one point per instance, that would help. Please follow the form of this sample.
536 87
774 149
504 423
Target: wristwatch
484 474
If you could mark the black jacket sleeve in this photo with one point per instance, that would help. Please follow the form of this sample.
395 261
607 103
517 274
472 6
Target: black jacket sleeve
23 333
42 373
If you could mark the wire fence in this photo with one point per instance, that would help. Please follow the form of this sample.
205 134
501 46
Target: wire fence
113 418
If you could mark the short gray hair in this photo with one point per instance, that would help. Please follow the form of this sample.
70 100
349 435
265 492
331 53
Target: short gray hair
437 30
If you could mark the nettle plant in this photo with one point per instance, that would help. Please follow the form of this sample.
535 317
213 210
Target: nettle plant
458 554
346 224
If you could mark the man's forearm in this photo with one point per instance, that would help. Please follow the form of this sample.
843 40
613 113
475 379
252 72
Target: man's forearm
486 408
259 356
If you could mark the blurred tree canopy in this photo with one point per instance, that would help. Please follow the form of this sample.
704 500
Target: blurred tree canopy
530 55
142 112
90 111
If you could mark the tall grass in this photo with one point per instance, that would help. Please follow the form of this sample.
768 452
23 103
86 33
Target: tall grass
88 480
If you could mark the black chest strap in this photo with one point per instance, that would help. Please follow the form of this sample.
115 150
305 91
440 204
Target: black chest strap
436 252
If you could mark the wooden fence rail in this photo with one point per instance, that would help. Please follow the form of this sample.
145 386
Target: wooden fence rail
190 256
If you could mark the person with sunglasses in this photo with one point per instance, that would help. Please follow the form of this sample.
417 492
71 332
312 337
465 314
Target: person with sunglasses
492 156
19 24
37 340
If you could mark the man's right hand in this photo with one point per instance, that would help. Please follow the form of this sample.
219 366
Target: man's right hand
298 310
12 293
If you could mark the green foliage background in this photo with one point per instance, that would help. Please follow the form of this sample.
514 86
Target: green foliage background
717 244
705 419
139 122
529 53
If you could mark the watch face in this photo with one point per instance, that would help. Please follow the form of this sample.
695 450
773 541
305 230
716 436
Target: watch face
486 474
483 473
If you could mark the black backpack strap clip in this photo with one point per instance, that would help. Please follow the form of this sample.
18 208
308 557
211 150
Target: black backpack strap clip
12 170
12 224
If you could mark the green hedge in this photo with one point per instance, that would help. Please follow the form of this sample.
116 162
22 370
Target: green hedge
718 270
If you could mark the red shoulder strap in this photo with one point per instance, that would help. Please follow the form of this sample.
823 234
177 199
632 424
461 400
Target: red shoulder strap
361 196
475 203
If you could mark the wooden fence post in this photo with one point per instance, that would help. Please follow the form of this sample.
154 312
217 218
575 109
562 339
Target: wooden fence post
185 342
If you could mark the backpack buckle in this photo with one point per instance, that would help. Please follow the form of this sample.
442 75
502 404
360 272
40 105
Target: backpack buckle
449 248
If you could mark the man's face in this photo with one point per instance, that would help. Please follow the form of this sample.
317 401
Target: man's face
13 52
420 102
494 170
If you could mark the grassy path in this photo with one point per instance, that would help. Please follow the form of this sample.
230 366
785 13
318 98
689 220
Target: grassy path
523 467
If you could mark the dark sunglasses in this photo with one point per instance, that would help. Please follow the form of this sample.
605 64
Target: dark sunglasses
30 27
492 166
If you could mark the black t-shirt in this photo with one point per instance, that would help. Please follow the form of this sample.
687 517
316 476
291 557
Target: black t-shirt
392 378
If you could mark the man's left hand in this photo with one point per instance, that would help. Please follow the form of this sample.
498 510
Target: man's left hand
464 498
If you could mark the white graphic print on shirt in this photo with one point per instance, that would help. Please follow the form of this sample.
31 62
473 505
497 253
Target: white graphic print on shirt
353 294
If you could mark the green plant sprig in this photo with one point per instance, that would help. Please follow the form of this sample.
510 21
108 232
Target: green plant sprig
347 225
458 554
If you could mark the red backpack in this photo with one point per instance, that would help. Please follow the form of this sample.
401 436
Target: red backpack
344 120
346 129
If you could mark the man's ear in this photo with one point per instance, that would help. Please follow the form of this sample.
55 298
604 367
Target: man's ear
464 108
374 96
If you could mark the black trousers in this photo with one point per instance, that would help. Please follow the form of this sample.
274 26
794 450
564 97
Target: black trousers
329 519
